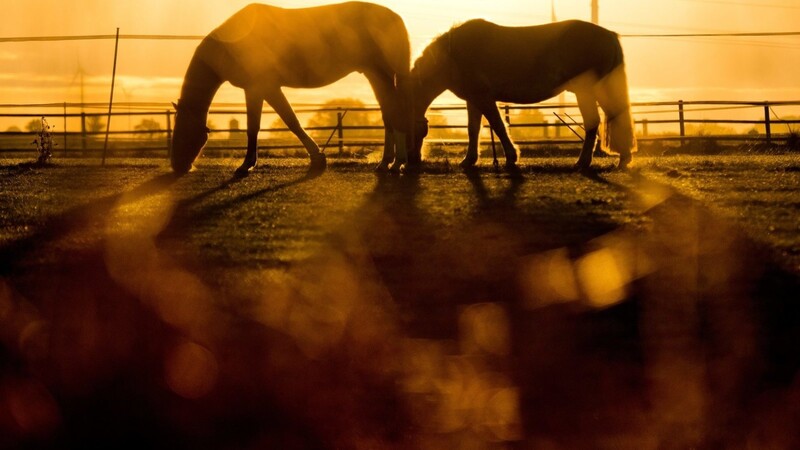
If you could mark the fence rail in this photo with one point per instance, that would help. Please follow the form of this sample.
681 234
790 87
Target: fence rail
655 121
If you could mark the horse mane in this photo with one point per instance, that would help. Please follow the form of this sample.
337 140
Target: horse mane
440 43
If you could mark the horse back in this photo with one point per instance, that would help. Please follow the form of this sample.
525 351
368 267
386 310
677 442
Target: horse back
307 47
540 59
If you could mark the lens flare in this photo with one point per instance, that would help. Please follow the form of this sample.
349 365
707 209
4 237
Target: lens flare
191 370
602 279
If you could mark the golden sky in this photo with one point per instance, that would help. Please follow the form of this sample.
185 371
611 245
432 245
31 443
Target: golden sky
726 68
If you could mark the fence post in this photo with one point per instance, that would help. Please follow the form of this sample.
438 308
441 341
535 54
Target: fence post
767 124
546 129
680 119
340 132
508 115
169 133
65 128
644 127
83 131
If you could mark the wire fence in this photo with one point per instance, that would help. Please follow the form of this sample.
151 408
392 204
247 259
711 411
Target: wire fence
78 133
146 128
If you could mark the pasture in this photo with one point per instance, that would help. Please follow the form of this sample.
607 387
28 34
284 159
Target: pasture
655 308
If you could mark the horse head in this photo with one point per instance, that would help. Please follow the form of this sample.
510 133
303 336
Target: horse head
420 131
188 138
428 79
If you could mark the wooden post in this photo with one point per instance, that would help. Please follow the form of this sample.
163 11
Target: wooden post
767 127
65 128
546 129
340 132
508 115
83 130
680 119
644 127
169 133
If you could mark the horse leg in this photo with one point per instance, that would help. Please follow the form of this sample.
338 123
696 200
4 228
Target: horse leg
254 103
278 102
496 122
591 121
394 143
474 117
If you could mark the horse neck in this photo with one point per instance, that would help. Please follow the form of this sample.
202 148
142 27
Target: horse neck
425 90
199 85
430 75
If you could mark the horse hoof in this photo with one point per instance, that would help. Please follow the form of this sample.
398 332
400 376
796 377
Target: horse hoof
467 163
319 162
624 162
383 167
244 170
581 166
512 167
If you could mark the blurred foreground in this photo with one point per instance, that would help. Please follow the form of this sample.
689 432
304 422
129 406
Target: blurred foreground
651 309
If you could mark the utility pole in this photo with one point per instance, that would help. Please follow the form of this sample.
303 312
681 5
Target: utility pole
595 15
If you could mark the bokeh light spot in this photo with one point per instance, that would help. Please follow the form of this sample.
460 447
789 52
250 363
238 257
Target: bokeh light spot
32 407
602 279
191 370
485 328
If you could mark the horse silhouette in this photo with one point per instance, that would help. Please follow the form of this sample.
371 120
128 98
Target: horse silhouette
263 48
482 63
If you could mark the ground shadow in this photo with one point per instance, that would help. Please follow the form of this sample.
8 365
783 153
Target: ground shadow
57 226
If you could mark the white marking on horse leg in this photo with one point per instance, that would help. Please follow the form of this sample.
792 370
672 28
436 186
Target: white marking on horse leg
474 118
388 150
401 155
388 96
278 102
587 104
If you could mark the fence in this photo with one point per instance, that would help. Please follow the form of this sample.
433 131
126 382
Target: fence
655 121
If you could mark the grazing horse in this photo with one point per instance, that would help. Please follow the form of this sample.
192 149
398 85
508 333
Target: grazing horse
483 63
263 48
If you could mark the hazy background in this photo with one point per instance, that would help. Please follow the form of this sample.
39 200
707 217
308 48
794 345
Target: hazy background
709 68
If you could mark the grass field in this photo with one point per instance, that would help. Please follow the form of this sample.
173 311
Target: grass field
655 308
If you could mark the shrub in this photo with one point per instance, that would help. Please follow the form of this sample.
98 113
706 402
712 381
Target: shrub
44 143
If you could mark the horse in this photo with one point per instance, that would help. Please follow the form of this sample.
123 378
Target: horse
263 48
483 63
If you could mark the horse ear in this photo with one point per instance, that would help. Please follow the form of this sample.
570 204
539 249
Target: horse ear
175 105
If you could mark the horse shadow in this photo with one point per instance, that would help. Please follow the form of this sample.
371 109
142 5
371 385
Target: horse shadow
57 226
507 198
186 212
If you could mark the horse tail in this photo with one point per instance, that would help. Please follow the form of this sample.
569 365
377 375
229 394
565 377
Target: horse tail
617 133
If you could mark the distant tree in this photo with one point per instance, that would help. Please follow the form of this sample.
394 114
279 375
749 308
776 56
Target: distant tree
149 125
94 124
283 135
776 127
352 118
436 120
708 129
34 125
526 116
13 129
